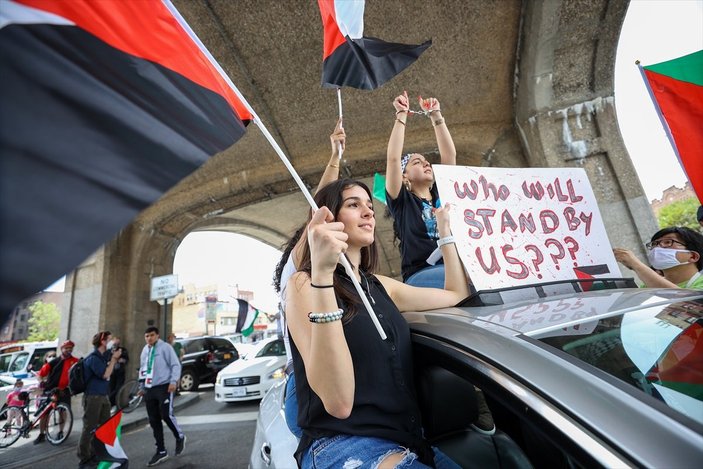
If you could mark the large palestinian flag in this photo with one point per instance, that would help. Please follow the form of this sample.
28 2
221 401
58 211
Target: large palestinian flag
676 87
349 58
104 105
106 444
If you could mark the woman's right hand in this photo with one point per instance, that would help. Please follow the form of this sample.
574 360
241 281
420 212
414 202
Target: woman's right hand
327 241
401 102
338 138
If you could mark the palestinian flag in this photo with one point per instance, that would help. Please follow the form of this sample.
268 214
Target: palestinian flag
246 318
104 106
676 87
349 58
106 444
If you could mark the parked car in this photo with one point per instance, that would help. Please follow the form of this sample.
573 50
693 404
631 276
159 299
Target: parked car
604 378
203 358
250 377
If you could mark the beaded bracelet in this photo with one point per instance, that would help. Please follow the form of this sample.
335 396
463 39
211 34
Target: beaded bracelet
321 318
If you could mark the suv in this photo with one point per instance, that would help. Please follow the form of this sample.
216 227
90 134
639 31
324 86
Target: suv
204 358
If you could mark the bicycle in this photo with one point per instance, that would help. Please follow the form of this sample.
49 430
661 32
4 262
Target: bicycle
17 421
128 397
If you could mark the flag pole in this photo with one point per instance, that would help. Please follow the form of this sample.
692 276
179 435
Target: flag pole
256 120
658 110
339 102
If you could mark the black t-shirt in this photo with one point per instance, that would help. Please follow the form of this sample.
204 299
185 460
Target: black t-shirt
385 404
416 227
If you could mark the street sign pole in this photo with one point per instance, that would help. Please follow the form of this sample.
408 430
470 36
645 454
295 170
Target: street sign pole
163 290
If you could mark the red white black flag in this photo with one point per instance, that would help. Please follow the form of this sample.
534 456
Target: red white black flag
103 107
349 58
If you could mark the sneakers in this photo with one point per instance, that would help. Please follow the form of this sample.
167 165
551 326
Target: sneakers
40 439
484 423
158 458
180 445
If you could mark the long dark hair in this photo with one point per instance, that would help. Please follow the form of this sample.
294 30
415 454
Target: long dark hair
331 197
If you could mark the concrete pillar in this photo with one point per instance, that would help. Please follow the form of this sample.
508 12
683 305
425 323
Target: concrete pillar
565 113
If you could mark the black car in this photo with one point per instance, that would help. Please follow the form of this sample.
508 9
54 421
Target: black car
204 358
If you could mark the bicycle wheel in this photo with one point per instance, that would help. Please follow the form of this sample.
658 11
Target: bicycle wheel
128 397
60 423
12 421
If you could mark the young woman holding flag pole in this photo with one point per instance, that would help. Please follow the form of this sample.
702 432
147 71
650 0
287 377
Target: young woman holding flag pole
347 380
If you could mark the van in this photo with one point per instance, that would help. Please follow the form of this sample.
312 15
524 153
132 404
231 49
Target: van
20 359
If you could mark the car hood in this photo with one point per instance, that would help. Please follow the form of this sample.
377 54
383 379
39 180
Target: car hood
253 366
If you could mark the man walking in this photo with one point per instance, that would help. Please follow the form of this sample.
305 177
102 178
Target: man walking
97 368
54 374
159 372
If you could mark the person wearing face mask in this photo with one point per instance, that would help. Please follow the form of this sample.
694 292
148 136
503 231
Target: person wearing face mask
675 252
54 374
119 373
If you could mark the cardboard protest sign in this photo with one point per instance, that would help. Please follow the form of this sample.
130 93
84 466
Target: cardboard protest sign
521 226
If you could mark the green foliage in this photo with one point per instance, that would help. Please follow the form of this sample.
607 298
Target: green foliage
44 322
680 213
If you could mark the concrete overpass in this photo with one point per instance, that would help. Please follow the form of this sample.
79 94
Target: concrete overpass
522 83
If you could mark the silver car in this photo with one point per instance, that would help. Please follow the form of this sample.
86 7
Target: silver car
599 378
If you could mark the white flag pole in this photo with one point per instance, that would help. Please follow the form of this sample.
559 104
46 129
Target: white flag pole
256 120
339 102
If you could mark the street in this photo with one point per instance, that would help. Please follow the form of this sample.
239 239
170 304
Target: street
219 436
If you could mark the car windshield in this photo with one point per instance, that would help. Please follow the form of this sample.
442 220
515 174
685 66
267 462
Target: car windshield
656 349
273 348
19 362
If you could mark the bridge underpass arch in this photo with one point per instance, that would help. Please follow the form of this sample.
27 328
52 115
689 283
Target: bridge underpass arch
522 84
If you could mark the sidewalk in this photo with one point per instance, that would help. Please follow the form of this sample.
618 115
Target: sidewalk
24 454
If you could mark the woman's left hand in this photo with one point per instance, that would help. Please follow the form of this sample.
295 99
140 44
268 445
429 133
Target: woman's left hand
428 104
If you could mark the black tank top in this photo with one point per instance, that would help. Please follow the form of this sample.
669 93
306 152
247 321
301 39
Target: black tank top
385 404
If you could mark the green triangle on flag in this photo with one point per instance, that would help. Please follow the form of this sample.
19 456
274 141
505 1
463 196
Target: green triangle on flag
688 68
379 188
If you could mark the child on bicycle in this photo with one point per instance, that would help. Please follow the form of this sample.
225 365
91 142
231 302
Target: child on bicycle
18 397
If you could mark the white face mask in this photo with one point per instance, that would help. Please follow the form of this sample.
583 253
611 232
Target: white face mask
110 344
664 258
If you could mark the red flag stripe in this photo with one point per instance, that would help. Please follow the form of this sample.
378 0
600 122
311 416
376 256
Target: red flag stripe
333 37
148 30
681 103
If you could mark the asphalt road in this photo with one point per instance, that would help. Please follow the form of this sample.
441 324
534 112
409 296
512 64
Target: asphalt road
219 436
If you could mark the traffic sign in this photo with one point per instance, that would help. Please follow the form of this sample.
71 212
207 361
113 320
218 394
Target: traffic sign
163 287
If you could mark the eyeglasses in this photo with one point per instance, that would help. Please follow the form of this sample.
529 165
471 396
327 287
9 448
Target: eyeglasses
663 243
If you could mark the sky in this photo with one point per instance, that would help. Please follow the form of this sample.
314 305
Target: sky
654 31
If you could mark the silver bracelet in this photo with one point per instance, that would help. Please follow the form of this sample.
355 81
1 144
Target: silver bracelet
446 240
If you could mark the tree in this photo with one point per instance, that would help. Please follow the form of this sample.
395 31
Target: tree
680 213
44 322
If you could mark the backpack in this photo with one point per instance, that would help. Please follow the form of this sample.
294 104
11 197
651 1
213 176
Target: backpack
76 377
52 380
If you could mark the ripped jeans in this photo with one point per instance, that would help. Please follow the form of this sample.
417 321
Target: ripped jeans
361 452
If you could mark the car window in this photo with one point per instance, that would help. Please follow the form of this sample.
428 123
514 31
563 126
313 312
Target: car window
655 349
273 349
222 344
19 362
5 361
197 345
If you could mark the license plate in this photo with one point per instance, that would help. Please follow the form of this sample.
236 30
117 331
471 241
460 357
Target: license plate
227 356
239 392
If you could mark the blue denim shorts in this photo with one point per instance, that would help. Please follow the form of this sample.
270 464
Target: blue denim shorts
360 452
432 277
